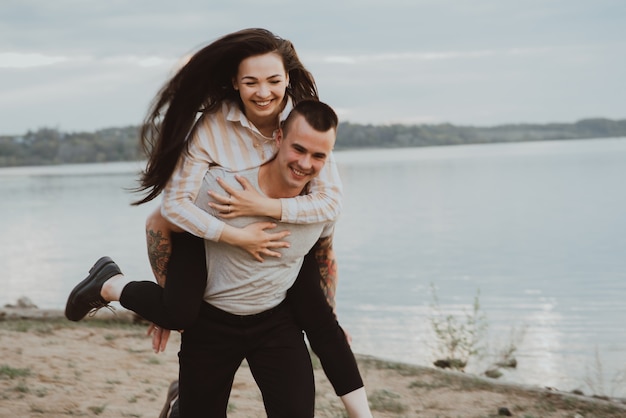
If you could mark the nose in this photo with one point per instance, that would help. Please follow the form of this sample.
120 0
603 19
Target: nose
263 90
305 162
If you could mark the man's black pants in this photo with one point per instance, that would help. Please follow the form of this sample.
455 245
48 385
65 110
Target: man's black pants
214 347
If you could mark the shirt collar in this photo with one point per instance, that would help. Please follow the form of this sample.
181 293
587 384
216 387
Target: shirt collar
234 114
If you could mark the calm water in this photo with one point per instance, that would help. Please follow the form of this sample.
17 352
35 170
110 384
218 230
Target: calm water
538 228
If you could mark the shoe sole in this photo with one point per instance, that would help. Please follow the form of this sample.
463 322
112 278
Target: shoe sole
93 271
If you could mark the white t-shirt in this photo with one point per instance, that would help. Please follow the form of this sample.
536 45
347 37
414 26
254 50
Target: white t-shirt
237 282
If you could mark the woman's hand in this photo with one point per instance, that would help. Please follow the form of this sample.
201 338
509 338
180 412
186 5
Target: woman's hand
246 202
160 337
255 239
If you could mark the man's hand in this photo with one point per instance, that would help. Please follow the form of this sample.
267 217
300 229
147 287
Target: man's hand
160 337
246 202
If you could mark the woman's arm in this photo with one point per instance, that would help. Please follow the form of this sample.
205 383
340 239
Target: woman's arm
179 208
178 205
321 204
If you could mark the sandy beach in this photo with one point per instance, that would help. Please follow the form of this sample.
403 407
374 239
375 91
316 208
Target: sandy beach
51 367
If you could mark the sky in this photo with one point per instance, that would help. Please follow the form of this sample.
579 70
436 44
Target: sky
82 65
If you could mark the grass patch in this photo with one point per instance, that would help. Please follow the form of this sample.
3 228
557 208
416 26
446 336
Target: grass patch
36 409
48 325
41 392
473 383
419 384
12 373
400 368
21 387
97 410
37 326
386 401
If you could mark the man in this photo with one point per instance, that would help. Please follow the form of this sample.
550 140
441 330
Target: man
236 304
243 314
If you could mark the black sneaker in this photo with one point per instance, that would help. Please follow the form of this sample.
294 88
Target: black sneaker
85 297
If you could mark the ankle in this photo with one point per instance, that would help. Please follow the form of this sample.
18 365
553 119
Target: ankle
112 288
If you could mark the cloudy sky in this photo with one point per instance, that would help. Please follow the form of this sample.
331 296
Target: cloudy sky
83 65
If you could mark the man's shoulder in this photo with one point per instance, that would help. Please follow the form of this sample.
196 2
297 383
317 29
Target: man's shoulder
209 182
218 171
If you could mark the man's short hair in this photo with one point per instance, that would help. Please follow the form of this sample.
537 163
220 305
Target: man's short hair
318 115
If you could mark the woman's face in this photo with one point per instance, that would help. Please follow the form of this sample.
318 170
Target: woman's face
262 82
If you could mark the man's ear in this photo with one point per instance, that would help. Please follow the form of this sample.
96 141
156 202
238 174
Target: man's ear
279 136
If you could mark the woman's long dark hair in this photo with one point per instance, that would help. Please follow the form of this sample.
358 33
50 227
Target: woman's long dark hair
201 86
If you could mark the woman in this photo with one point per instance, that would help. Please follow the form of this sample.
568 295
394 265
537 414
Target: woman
242 84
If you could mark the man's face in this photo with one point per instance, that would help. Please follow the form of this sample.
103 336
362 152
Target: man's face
302 152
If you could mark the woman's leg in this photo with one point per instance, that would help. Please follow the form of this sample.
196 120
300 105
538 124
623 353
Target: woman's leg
170 307
173 307
315 316
176 305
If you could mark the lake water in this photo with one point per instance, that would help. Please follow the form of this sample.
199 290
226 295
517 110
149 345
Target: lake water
539 229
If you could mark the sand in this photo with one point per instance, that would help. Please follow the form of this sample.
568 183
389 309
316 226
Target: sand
50 367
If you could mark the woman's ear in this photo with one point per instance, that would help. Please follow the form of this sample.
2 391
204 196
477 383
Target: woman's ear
235 86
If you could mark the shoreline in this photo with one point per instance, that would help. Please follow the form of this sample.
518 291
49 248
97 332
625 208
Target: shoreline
104 366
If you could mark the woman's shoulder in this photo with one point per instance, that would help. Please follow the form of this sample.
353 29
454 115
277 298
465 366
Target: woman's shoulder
217 119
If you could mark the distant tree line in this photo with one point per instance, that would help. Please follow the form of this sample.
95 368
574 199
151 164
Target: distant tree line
391 136
48 146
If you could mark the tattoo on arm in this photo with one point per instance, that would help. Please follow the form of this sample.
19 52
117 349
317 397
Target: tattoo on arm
325 256
159 250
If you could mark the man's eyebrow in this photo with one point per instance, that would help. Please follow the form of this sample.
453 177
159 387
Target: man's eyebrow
320 154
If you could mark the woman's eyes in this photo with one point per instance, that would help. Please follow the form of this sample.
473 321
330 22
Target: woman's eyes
254 83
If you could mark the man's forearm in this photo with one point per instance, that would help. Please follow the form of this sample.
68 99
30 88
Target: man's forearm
159 250
325 256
